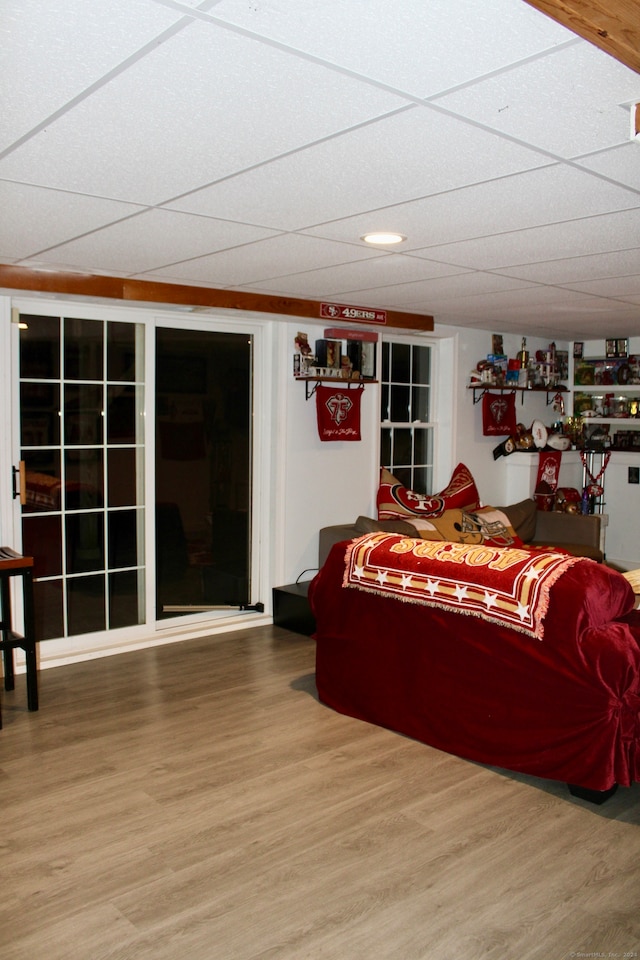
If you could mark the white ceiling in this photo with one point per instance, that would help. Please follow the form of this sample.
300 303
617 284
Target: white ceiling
249 144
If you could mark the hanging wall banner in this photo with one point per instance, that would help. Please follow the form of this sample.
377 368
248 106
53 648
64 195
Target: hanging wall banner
338 413
498 414
547 479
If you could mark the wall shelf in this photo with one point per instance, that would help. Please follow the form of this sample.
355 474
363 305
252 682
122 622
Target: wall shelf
344 383
482 388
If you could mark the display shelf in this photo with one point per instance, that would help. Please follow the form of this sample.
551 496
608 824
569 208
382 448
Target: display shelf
632 423
342 382
607 388
617 373
507 388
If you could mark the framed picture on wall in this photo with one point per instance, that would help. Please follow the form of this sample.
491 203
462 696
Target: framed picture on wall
622 348
578 350
611 348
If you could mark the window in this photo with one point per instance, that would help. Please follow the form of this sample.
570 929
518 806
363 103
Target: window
406 432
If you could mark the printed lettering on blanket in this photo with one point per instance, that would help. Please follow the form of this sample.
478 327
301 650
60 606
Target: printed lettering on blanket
509 586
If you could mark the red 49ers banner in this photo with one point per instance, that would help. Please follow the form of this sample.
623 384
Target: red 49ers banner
498 414
338 413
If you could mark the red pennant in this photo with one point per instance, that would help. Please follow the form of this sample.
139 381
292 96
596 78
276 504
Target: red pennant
498 414
338 413
547 481
549 469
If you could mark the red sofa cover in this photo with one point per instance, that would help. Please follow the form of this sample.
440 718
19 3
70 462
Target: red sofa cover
565 707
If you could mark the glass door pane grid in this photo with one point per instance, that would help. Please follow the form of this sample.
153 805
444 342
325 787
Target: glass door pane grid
84 508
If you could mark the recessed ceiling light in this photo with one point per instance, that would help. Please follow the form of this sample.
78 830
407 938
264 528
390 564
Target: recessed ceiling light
383 238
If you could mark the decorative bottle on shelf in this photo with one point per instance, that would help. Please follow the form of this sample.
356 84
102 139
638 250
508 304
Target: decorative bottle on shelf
523 359
523 355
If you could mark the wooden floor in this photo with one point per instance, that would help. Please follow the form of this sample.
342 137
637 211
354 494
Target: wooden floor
196 802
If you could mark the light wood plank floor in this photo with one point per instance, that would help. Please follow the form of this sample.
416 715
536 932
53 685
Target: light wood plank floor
196 802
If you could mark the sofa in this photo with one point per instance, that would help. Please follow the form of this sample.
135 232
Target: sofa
578 534
523 660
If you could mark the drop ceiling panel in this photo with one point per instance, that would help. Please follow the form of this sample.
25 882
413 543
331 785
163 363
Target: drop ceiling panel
63 51
34 218
621 163
414 154
562 102
619 264
558 320
426 291
362 275
525 296
625 288
151 238
178 140
279 256
201 106
547 195
419 47
572 238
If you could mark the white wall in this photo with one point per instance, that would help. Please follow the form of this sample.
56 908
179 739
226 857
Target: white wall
472 448
322 483
328 483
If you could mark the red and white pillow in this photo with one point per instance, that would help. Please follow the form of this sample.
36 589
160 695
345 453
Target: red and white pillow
396 502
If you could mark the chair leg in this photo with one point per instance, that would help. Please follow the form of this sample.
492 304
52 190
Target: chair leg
7 652
32 676
9 676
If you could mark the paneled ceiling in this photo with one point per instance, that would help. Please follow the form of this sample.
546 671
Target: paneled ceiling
248 145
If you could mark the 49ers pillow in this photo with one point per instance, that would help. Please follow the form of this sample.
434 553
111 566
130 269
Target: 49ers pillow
396 502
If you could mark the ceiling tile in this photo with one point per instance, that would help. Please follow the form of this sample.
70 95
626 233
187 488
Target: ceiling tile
34 218
414 154
621 164
46 39
421 47
571 270
276 257
203 105
149 239
425 291
346 277
622 288
572 238
178 139
567 103
547 195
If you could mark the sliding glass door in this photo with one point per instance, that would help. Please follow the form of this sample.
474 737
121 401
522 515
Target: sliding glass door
113 461
202 470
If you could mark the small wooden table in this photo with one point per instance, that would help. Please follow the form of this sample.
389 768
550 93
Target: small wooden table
12 564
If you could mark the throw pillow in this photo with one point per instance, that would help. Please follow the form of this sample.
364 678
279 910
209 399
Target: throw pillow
486 525
369 525
522 517
396 502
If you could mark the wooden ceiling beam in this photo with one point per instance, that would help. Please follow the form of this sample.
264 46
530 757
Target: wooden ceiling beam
149 291
612 25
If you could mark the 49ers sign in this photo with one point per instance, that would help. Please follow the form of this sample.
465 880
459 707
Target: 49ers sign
338 413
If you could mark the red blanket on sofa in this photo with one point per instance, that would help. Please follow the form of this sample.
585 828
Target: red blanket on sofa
508 586
566 708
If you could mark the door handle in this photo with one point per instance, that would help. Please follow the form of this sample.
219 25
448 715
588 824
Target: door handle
20 488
